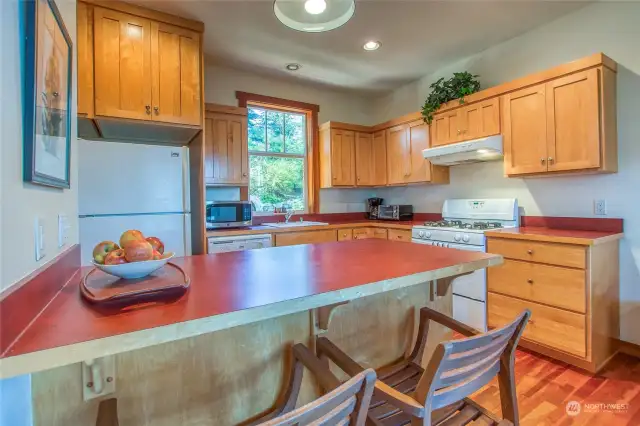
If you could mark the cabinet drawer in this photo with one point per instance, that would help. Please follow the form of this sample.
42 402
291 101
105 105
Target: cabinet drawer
308 237
380 233
345 234
551 253
550 285
556 328
362 233
399 235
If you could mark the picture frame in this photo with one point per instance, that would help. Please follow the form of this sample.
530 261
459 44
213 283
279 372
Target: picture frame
47 95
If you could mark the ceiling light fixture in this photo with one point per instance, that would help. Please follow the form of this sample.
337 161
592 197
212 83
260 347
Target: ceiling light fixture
293 67
314 16
315 7
371 45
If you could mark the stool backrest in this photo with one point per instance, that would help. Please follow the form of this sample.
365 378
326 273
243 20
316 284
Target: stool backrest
458 368
346 405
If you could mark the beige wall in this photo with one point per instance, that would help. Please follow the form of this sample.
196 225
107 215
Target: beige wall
221 85
611 28
22 202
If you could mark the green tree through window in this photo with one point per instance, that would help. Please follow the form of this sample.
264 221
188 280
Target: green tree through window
277 163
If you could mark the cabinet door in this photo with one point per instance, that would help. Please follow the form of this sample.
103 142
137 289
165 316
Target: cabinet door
573 122
226 155
481 119
122 46
398 161
418 140
175 68
343 158
364 159
447 128
525 131
379 174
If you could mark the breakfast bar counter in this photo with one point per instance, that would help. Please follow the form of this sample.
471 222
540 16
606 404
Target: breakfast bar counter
241 312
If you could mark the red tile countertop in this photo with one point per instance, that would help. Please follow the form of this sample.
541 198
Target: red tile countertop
239 283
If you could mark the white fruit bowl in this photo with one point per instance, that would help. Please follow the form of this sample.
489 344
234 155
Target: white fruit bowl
134 270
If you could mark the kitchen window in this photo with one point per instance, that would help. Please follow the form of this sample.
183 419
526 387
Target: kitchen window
278 145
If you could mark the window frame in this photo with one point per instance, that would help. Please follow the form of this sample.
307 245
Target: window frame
284 154
312 151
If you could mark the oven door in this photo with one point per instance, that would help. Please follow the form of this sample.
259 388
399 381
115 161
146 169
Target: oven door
228 214
469 292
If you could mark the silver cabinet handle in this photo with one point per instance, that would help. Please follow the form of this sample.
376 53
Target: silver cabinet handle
550 160
156 110
529 251
542 160
244 174
148 108
530 281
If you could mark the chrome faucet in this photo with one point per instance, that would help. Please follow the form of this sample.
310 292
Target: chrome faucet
288 215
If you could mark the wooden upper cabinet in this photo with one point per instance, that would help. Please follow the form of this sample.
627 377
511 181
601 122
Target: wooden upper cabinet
418 140
573 122
226 150
481 119
447 128
371 159
343 164
379 161
565 125
136 67
122 52
405 162
175 64
364 159
398 161
525 131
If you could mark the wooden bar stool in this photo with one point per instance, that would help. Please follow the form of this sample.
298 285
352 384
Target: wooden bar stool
408 394
343 404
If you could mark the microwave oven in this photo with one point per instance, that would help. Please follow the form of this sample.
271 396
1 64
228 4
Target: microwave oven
228 214
395 212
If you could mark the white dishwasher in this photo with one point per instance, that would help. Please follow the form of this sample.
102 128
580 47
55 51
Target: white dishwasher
237 243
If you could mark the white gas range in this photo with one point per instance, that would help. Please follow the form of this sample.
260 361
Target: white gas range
463 226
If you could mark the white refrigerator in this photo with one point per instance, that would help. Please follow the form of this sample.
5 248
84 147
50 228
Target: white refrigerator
125 186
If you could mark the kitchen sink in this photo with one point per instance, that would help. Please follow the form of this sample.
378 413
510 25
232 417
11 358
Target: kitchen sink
294 224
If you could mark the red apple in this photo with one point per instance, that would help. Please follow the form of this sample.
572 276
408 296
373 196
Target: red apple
129 236
138 251
102 249
156 243
115 257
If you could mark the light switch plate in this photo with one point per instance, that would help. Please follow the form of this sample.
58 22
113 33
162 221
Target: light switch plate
39 238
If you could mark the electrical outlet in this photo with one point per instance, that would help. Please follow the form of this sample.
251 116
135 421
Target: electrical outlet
39 238
63 230
600 207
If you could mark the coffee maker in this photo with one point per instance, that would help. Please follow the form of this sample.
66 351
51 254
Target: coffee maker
372 207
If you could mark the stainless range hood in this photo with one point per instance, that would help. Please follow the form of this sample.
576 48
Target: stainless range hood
485 149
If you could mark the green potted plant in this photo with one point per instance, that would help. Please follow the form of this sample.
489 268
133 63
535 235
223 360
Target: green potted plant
443 91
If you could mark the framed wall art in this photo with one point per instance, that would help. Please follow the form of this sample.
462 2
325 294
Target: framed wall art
47 111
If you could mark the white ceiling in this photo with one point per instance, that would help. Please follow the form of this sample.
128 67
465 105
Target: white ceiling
418 37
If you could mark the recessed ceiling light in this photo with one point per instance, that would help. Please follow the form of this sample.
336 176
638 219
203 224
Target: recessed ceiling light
315 7
293 67
371 45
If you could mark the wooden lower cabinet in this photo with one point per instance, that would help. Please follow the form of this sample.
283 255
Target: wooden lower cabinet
362 233
345 234
572 291
552 327
306 237
399 235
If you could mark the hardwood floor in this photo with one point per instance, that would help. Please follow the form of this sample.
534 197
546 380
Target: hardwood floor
545 386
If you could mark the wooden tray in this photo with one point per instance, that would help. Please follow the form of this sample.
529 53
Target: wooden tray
168 282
